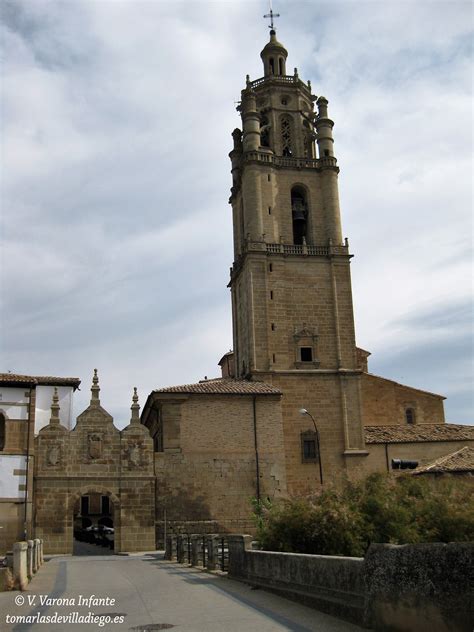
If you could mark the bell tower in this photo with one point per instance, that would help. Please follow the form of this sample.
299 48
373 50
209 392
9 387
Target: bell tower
292 310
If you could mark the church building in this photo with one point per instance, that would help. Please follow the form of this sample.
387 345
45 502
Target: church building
295 409
296 406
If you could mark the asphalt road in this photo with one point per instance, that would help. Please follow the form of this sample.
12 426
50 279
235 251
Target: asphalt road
151 594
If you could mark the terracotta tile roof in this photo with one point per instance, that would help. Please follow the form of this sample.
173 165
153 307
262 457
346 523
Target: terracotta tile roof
223 387
460 461
418 432
42 380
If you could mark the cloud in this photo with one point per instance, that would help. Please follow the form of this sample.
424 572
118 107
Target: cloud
116 232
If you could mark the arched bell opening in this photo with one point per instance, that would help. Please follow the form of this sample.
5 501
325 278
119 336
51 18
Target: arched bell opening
299 212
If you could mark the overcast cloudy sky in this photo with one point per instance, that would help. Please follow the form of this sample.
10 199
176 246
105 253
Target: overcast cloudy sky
116 231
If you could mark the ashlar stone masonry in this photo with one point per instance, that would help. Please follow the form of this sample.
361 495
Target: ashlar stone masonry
95 457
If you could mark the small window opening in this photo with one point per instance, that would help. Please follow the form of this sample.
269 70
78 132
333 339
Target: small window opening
270 267
299 211
105 505
404 464
264 131
306 354
269 178
273 326
272 65
84 505
271 295
326 152
280 65
309 449
269 210
274 358
410 415
2 431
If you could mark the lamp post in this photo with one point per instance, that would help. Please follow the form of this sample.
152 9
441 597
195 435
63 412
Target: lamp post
303 411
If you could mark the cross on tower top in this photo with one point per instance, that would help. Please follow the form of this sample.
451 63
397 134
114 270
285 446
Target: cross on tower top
271 15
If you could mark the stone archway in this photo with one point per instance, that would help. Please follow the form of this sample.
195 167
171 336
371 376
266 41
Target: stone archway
92 491
94 457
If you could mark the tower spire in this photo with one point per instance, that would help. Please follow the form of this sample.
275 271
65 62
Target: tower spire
95 389
54 420
135 408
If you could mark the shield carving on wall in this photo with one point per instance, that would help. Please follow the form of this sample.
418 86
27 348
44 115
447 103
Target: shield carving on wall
95 446
54 455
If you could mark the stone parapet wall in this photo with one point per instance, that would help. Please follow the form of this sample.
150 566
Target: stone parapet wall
331 584
422 587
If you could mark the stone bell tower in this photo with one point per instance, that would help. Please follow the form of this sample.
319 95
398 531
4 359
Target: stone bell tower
292 309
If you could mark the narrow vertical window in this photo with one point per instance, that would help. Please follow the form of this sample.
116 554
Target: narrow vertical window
273 326
2 431
264 131
271 295
280 66
84 505
410 415
274 358
299 211
286 136
271 61
105 505
270 267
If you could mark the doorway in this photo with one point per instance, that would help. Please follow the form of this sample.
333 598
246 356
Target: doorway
93 525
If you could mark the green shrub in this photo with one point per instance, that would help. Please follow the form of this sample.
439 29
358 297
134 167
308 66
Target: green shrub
380 508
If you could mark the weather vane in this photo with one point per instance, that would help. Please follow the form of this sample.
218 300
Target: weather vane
271 15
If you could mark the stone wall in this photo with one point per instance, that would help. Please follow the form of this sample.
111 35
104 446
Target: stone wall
422 587
331 584
385 401
206 474
381 455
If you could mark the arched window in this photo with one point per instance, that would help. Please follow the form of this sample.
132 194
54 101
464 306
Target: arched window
271 62
299 212
307 140
410 416
286 136
280 66
264 131
2 431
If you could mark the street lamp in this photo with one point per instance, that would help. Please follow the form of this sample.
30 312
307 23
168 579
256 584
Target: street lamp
303 411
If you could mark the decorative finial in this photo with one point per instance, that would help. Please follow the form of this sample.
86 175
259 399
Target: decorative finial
135 408
95 389
54 420
271 15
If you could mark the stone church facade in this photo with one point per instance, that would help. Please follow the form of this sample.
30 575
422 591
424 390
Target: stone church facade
201 452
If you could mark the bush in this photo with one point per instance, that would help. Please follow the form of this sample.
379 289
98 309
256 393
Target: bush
380 508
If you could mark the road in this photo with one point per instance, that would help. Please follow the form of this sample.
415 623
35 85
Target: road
152 594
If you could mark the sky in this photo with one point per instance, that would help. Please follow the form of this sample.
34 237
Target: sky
116 235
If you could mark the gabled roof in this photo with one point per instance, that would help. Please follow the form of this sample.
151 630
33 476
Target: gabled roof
460 461
223 387
418 432
38 380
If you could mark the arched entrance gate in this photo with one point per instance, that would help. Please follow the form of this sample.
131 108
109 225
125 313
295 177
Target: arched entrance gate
94 457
